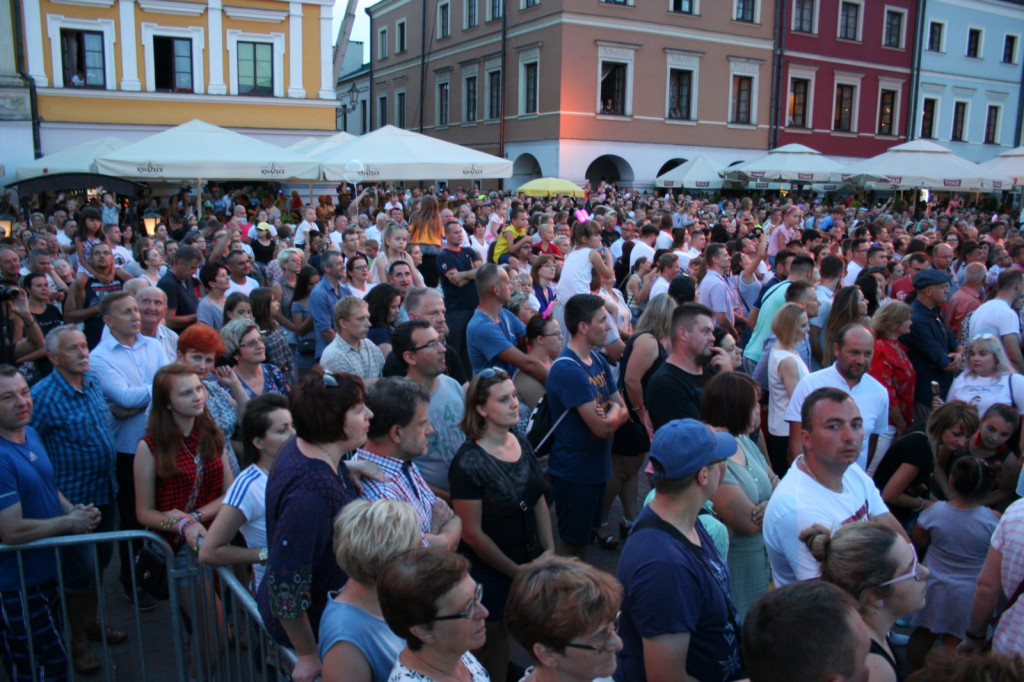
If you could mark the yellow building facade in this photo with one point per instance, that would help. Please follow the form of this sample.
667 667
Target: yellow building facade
131 67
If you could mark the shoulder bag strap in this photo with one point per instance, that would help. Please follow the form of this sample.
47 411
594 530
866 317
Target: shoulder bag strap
558 421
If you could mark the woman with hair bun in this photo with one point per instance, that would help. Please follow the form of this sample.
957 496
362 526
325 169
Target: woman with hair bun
879 569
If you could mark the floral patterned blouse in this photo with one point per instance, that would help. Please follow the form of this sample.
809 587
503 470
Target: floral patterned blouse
303 497
891 366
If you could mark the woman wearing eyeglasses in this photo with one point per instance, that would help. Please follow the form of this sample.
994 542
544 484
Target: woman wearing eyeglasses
543 342
565 613
497 491
429 599
988 378
244 344
879 569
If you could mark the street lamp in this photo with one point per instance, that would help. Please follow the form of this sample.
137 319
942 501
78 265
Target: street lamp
352 93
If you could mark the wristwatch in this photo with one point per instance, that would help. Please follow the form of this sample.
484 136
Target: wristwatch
264 555
197 515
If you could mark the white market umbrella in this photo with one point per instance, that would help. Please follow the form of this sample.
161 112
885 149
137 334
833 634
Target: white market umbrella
1009 163
305 144
391 153
201 150
324 147
922 164
78 159
700 172
789 163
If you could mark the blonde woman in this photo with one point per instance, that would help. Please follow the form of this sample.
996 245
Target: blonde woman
393 247
785 370
988 378
356 645
891 366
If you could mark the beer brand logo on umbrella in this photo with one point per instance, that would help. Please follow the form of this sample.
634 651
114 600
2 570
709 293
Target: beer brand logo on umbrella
757 174
473 170
805 176
702 183
895 179
273 170
371 172
150 169
951 183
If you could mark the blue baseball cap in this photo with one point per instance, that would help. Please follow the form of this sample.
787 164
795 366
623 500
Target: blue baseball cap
682 447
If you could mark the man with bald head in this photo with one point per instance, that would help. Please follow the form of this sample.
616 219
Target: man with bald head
942 259
849 373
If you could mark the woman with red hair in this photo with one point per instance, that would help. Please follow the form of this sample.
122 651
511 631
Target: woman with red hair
199 346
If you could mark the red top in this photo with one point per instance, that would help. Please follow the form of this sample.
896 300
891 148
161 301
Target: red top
891 366
173 492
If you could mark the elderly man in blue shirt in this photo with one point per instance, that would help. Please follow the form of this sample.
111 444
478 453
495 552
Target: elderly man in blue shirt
931 346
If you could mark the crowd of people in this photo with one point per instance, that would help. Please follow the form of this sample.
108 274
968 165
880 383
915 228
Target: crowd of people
404 419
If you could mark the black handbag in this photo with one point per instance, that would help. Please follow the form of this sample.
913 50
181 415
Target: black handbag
151 569
631 438
307 346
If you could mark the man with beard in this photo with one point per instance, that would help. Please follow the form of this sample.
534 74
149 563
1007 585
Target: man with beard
853 351
822 486
675 388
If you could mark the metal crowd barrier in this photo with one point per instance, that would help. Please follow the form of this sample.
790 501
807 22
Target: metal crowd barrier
208 629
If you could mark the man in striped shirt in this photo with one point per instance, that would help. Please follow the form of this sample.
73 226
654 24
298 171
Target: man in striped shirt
398 434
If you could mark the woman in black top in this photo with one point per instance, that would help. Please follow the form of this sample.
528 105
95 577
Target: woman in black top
497 491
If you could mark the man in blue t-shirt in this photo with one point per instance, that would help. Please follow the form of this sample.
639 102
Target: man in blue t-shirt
31 508
457 265
493 330
581 386
676 606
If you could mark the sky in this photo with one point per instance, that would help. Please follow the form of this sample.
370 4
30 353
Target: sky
361 27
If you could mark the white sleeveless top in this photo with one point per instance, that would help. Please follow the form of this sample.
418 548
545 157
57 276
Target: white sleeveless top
778 401
576 275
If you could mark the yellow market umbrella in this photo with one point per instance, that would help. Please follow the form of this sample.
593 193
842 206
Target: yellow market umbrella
548 187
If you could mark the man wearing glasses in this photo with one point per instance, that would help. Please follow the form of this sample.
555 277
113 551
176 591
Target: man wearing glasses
912 264
677 604
858 261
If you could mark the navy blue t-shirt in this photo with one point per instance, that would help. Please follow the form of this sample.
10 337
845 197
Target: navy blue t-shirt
576 454
458 298
668 590
26 477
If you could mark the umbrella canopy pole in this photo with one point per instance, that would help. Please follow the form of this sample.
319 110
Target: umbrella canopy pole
199 198
311 202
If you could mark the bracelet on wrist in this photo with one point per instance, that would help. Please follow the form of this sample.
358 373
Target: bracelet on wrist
184 523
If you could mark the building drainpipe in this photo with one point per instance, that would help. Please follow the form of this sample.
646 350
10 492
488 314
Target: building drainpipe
423 60
1020 109
915 72
371 105
778 46
504 37
33 95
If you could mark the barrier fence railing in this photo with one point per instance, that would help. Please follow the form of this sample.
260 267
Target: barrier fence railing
208 628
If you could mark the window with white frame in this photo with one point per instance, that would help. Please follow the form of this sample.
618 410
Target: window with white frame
529 3
469 14
255 68
172 64
382 111
83 58
683 6
845 104
849 20
935 31
256 63
799 103
888 103
746 10
470 97
444 16
494 94
992 124
401 37
441 113
495 9
974 43
1010 49
615 79
743 80
928 108
400 108
680 94
959 121
742 100
382 43
529 81
892 34
804 16
682 87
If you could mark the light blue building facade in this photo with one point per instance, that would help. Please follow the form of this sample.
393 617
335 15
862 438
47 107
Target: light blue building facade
968 91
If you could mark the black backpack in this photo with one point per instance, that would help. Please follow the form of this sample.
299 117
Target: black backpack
542 424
